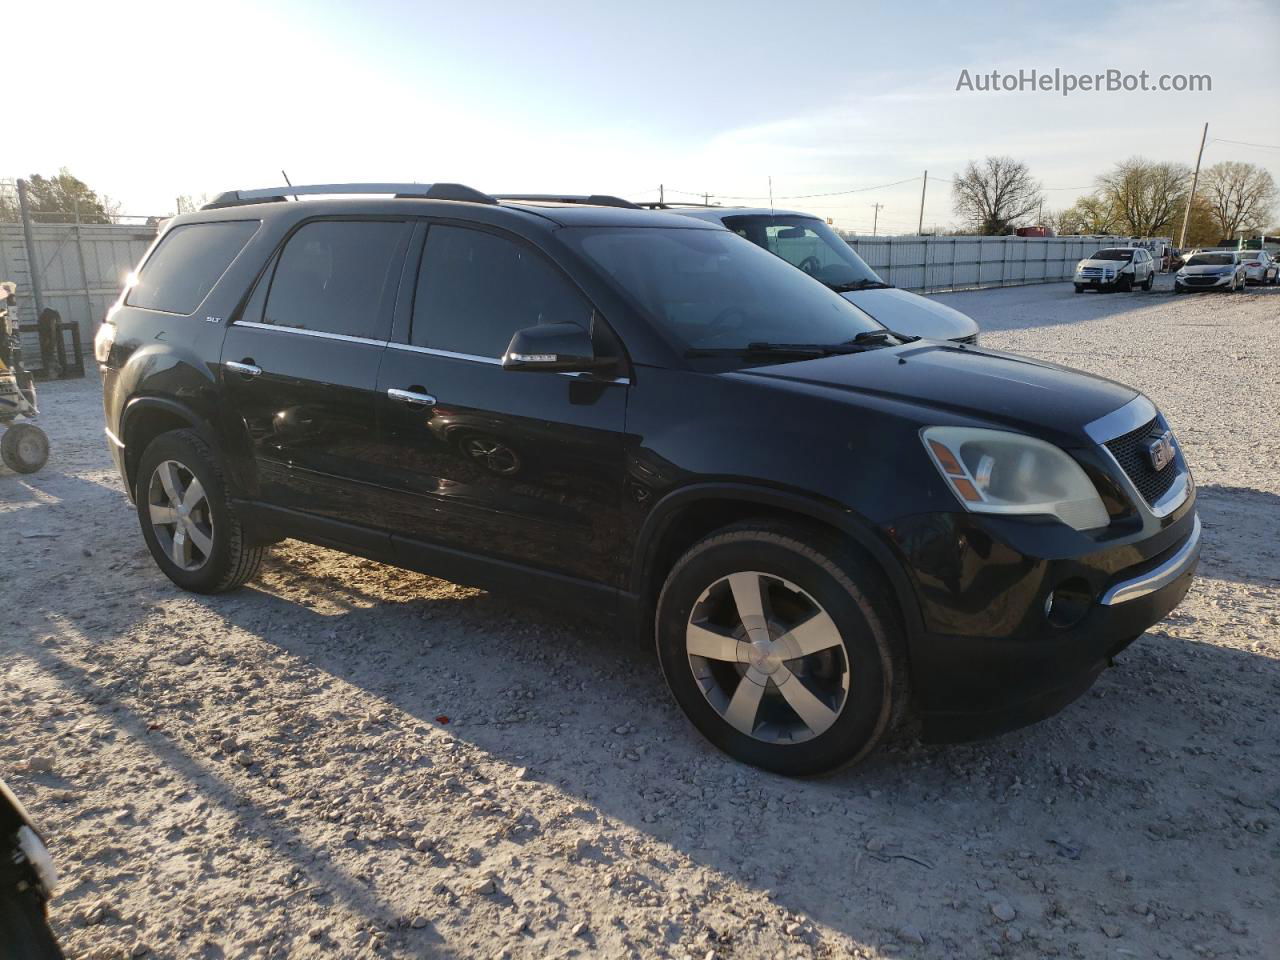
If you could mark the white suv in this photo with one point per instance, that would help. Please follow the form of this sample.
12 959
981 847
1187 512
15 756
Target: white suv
807 242
1116 268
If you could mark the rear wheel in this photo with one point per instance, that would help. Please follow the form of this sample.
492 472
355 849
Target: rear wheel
24 448
187 520
785 655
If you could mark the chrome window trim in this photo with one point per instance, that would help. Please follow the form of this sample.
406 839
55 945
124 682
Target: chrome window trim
1118 422
433 352
1160 577
322 334
476 358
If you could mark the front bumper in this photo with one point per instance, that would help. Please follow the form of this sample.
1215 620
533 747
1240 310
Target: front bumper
990 658
1082 280
1200 282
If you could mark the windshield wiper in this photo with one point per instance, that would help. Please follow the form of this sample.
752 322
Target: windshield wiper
764 348
860 285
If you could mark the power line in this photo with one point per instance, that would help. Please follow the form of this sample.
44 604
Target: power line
799 196
1243 143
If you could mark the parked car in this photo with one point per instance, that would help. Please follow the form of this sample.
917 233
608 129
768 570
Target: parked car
822 525
1211 270
1116 268
1259 267
807 242
27 880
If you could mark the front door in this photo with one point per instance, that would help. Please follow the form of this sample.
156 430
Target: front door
517 466
300 367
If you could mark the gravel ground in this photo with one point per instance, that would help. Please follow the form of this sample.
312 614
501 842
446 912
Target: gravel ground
270 773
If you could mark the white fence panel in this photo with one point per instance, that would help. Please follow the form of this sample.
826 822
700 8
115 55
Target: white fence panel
937 264
82 267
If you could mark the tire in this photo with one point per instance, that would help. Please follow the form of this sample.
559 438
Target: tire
1079 288
1150 282
215 552
24 927
853 687
1125 284
24 448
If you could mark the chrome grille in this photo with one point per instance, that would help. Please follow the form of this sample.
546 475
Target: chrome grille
1130 451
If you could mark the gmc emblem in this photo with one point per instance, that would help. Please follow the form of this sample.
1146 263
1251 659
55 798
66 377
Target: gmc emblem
1161 450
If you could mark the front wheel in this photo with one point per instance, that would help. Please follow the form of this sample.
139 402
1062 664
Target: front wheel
193 532
783 654
1150 282
1079 288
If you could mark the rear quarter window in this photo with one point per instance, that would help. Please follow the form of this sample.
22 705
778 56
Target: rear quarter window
187 264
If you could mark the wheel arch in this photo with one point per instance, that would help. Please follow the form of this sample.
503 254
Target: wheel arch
685 516
145 418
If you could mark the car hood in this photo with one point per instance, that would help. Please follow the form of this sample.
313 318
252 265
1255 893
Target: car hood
1203 271
1113 264
984 385
912 314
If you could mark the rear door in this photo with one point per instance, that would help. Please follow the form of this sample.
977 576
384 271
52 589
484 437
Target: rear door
516 466
300 367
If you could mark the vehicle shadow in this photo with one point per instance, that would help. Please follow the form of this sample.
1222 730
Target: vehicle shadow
1253 519
1073 802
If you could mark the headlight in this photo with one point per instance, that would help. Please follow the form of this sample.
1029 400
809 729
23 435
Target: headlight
102 341
993 471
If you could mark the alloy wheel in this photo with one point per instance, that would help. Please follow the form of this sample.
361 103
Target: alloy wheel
768 658
180 516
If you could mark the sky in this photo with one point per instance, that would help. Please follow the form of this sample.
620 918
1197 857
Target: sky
146 101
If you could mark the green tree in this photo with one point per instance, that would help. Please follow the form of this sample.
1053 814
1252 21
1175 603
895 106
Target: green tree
1148 196
58 199
1088 215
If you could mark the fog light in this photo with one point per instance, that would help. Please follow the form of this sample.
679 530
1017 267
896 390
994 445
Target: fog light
1068 603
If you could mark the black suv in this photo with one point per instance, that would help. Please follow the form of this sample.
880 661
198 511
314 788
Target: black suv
639 414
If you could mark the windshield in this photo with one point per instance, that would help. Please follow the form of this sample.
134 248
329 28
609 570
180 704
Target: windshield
807 243
1113 255
712 290
1212 260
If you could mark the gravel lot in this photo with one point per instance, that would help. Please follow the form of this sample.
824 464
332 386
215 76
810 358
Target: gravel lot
269 773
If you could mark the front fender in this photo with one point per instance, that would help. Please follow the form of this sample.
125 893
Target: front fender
663 513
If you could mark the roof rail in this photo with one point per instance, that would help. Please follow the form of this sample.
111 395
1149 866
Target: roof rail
422 191
594 199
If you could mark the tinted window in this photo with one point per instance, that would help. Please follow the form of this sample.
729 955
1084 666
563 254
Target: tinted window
338 276
189 260
1212 260
710 289
808 244
475 290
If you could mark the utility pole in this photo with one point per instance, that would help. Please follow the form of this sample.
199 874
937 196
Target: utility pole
661 196
706 199
923 187
875 217
33 263
1195 182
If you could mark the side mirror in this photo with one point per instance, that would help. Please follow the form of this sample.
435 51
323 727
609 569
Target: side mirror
564 347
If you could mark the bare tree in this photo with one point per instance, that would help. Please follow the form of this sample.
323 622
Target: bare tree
190 203
1240 196
1090 214
995 193
1146 195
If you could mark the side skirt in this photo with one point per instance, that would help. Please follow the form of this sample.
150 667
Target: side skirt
567 594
